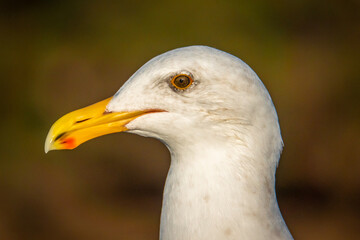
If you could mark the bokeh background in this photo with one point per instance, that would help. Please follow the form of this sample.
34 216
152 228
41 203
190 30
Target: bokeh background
57 56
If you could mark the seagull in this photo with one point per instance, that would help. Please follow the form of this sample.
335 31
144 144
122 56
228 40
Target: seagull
220 125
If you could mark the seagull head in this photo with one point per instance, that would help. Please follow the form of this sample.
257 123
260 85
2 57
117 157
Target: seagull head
180 97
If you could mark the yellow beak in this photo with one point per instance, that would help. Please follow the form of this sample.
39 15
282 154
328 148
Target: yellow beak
87 123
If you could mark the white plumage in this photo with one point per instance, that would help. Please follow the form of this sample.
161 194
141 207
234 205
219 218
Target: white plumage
224 138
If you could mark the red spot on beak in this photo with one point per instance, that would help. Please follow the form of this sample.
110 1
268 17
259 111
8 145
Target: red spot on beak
69 143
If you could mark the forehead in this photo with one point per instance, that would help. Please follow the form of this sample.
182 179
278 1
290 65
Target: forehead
198 60
205 65
216 73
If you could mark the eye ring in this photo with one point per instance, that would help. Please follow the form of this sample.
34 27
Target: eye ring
182 81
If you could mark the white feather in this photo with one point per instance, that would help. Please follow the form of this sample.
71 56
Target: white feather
225 143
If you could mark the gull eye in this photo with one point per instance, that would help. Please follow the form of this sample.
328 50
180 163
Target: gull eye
181 81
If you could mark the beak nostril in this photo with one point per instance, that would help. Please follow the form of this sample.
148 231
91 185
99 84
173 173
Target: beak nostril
80 121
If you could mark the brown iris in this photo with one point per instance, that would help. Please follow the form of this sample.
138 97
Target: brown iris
182 81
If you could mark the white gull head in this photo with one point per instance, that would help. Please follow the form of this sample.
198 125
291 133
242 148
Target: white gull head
224 138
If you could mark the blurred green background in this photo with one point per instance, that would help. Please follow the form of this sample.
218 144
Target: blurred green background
57 56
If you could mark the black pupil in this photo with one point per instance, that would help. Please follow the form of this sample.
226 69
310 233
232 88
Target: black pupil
182 81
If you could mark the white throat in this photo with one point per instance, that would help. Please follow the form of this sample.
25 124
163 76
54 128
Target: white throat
213 191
